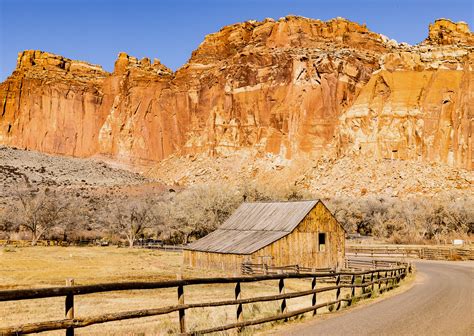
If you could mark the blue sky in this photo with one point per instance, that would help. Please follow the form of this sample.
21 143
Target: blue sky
96 31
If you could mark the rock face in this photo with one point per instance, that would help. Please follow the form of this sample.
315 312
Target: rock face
52 104
290 87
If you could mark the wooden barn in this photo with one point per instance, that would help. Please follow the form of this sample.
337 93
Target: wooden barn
303 233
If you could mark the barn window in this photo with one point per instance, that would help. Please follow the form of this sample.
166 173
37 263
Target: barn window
322 242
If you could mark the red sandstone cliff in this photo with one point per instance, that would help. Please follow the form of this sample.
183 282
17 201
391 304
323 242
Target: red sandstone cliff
289 87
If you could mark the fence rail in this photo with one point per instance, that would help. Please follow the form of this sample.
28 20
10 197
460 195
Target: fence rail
363 264
383 278
349 264
249 268
422 252
431 252
146 245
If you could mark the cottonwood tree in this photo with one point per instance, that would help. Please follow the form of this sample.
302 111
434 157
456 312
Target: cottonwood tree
8 223
38 211
129 219
77 217
196 211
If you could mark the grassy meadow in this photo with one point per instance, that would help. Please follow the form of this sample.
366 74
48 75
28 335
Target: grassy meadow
34 267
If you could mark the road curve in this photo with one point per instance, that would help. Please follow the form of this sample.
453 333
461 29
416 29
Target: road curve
439 303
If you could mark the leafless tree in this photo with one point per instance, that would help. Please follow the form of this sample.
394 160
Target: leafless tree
77 217
130 219
38 211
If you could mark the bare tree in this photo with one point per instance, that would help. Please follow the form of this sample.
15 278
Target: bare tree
39 210
77 217
130 219
7 222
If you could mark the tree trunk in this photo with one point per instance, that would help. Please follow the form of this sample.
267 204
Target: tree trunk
34 238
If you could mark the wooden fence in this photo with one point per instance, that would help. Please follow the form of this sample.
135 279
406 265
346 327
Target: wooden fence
365 264
431 252
161 247
250 268
349 264
422 252
25 243
369 281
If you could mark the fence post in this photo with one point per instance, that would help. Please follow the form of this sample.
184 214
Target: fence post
338 292
313 301
182 312
362 281
353 278
239 305
379 282
383 282
69 305
281 289
372 281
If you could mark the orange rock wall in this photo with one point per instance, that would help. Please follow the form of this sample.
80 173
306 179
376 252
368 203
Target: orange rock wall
289 87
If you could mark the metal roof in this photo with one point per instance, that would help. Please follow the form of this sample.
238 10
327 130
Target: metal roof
253 226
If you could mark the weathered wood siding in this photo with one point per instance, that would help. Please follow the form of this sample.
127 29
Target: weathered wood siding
224 261
300 247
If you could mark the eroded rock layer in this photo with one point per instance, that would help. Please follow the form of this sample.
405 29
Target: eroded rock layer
289 87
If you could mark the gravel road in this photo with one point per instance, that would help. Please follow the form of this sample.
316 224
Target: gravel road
441 302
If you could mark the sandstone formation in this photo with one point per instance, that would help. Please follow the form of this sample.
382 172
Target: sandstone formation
288 87
51 103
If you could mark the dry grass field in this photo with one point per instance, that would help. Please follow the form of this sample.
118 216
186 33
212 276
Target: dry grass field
49 266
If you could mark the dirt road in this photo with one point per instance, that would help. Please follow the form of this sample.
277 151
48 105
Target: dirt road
441 302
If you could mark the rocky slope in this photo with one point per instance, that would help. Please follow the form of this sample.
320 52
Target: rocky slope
83 178
292 87
323 177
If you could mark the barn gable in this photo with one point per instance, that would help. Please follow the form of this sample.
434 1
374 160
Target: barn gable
253 226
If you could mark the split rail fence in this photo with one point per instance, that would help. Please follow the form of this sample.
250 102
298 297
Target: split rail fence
354 264
357 264
250 268
421 252
370 280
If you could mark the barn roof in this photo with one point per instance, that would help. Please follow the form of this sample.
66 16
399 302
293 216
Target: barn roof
253 226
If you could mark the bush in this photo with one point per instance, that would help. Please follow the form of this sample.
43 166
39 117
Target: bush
411 220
